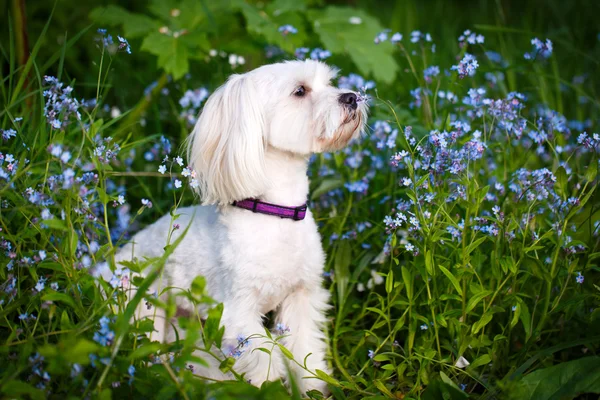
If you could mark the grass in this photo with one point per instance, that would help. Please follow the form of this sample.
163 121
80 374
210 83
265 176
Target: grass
461 235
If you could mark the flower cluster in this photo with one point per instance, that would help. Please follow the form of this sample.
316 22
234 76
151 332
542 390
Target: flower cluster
469 37
384 36
60 106
7 134
466 67
541 49
190 104
108 43
590 143
314 54
355 82
106 150
287 29
104 336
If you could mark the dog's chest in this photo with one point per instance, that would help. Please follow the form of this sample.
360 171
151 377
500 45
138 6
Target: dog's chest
272 256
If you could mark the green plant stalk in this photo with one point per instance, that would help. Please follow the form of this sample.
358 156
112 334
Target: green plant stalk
548 293
21 37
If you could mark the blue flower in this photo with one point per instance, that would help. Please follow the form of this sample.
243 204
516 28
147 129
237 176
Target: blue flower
430 73
579 278
358 186
470 38
301 52
41 284
104 336
8 133
381 36
371 354
396 38
417 36
287 29
355 82
131 370
193 98
540 49
466 66
147 203
124 44
282 329
320 54
424 327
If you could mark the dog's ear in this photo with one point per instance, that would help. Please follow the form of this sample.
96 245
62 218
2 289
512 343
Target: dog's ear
226 148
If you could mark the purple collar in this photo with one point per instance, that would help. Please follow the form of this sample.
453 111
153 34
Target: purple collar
295 213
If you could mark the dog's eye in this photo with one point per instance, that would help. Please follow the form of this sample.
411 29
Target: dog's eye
300 91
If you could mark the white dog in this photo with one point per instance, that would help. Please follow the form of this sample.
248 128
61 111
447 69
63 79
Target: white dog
253 141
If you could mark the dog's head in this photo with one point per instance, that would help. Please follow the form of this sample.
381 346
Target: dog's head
290 106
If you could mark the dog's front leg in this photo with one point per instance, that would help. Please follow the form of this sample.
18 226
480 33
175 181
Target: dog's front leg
244 334
303 312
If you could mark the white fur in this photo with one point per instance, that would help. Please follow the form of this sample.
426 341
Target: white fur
253 139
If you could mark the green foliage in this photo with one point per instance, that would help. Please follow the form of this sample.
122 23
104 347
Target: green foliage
339 35
563 381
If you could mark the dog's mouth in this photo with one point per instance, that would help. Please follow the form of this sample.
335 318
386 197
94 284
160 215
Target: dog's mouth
351 125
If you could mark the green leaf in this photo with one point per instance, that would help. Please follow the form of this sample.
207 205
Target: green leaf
338 35
476 298
561 182
80 351
65 322
283 6
429 262
483 321
212 332
452 279
439 389
483 360
55 296
407 278
198 285
525 318
18 390
57 224
145 350
327 378
591 171
286 352
515 317
259 23
343 258
171 51
227 364
475 244
326 186
389 282
563 381
102 195
447 380
134 25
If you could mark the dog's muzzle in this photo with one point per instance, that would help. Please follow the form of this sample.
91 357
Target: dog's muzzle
349 100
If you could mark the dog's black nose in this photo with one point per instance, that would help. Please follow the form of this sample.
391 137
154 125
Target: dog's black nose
349 99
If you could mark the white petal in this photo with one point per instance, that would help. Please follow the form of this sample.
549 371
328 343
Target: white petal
462 362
